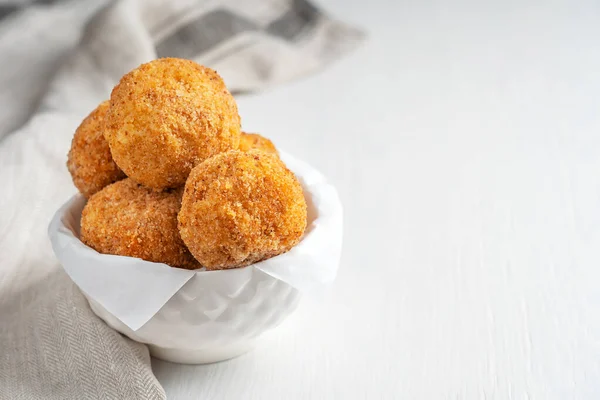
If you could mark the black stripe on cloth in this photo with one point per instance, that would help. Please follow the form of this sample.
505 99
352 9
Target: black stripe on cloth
6 10
298 19
203 34
216 27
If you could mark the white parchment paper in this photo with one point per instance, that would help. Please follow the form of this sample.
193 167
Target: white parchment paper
133 290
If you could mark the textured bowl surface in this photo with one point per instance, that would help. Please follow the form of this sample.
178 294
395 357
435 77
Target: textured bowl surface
200 324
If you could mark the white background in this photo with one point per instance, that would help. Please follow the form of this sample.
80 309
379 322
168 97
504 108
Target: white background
464 140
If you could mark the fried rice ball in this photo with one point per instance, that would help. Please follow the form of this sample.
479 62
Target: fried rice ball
128 219
90 162
241 207
254 141
165 117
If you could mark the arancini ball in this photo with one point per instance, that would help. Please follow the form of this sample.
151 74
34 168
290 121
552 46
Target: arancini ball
89 161
241 207
167 116
254 141
128 219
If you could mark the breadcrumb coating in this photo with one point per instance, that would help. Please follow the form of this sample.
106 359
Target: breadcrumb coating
241 207
89 161
254 141
129 219
167 116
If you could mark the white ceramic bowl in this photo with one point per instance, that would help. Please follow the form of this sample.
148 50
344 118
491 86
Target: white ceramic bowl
203 316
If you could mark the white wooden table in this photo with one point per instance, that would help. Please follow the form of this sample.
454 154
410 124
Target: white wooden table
464 140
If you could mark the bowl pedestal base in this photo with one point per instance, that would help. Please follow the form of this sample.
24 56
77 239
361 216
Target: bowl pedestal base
205 356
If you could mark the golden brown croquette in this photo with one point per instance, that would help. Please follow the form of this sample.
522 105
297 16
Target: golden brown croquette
128 219
241 207
254 141
89 161
167 116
